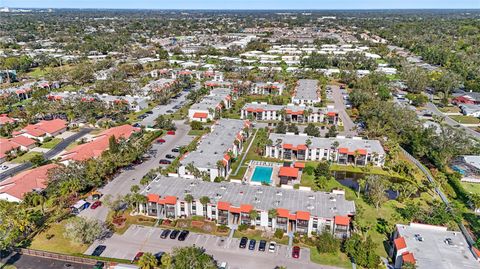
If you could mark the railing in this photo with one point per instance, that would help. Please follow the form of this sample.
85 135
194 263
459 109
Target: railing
56 256
444 198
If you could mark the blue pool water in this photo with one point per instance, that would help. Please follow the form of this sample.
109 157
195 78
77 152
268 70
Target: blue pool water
262 174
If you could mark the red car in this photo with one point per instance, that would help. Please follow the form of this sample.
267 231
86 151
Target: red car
137 257
171 133
96 204
296 252
161 141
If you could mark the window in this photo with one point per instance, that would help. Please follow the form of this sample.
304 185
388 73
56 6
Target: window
315 224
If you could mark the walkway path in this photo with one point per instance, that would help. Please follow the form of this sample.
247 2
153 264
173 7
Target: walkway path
244 155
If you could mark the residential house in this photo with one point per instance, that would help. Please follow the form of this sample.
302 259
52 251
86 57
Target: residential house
470 110
43 129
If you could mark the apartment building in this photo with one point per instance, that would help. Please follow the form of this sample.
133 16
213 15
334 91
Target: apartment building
292 113
224 141
291 210
428 246
135 103
306 92
210 105
348 151
263 88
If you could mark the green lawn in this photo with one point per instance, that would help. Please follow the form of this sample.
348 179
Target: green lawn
449 109
3 266
25 157
197 132
338 259
472 187
51 144
58 243
465 119
37 73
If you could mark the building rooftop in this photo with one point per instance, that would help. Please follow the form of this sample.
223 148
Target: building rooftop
351 144
214 145
436 247
213 100
260 107
307 90
319 204
27 181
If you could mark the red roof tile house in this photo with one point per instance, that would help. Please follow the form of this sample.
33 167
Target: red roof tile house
44 128
15 188
13 145
99 144
5 119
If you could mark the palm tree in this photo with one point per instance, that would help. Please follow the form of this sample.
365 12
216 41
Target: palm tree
361 184
135 189
35 199
308 142
253 214
189 199
272 213
204 200
166 261
148 261
220 167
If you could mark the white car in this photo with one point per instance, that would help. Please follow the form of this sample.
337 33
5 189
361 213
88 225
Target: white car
272 246
223 265
4 167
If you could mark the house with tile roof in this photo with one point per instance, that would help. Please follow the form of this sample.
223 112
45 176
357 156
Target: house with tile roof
13 145
43 129
14 189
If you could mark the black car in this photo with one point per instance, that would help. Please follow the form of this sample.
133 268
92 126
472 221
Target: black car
163 161
174 234
177 149
149 112
99 250
262 245
183 235
252 244
158 256
243 242
165 233
170 156
169 111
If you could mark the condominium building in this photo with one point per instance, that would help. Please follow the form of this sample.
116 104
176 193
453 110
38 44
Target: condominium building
215 149
306 92
231 203
210 105
134 103
353 151
263 88
292 113
428 246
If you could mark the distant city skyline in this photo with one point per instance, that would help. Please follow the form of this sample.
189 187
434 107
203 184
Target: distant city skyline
246 4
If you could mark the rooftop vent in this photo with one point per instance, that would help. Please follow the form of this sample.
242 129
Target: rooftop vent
332 199
310 207
223 187
312 197
259 191
279 193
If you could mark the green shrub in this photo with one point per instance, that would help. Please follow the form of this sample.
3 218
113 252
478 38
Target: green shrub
242 227
278 233
327 243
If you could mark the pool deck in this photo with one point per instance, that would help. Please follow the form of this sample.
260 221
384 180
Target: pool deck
275 180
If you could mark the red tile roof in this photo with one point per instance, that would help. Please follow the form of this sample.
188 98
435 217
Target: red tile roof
46 126
283 213
23 141
302 147
5 119
292 217
153 198
287 146
408 257
400 243
6 145
27 181
288 172
200 115
235 210
303 215
223 205
331 114
362 151
343 150
299 165
170 200
246 208
342 220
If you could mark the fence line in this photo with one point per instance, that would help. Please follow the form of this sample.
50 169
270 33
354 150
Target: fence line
56 256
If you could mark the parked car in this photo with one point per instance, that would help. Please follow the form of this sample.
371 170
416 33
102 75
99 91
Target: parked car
149 112
96 204
296 252
161 141
243 242
4 167
137 257
272 246
252 244
174 234
223 265
164 161
159 255
137 125
171 132
99 250
169 111
165 233
183 235
262 245
170 156
176 149
99 265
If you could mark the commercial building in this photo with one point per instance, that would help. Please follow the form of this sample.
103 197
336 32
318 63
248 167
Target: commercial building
209 107
428 246
215 149
292 113
351 151
231 203
306 92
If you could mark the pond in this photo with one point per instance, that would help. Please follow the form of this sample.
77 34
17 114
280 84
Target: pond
350 180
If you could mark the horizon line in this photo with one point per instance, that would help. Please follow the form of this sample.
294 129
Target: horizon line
243 9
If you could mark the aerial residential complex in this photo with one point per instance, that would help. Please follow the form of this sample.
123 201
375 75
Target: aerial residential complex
354 151
230 203
209 106
214 151
306 92
275 88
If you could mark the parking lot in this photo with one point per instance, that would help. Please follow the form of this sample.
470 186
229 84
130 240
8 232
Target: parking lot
147 239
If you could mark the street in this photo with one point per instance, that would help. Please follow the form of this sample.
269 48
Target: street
147 239
122 183
433 108
348 125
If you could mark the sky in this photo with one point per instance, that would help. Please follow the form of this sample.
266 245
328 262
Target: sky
246 4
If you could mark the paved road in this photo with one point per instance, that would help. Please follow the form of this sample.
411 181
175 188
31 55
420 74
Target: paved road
147 239
29 262
348 125
162 109
48 155
433 108
122 183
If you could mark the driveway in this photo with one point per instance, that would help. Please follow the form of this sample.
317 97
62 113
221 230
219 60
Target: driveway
348 125
433 108
128 177
47 155
147 239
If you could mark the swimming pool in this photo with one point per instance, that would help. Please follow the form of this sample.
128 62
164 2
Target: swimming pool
262 174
